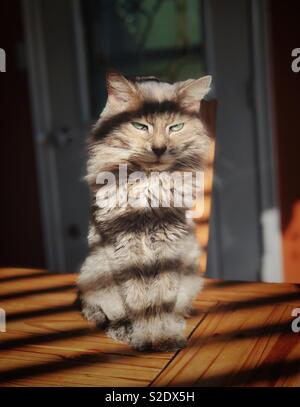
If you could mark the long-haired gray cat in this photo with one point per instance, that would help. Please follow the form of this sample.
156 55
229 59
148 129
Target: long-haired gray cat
141 274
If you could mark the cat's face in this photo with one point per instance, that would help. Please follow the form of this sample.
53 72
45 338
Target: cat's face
151 125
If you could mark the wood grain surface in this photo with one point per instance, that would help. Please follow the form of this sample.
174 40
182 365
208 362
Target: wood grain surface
239 334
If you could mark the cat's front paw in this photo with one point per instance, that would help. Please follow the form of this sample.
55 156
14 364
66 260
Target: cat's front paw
162 345
172 345
120 331
95 314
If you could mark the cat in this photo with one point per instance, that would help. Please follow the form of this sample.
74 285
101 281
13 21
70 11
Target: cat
142 271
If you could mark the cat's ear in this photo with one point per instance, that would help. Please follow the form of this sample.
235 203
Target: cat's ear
192 91
121 92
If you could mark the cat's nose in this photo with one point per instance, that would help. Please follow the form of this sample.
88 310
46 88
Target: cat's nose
159 151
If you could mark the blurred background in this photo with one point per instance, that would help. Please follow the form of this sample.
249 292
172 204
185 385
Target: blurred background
57 53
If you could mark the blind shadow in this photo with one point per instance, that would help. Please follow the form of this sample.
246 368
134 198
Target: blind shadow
23 276
269 372
11 317
256 302
28 293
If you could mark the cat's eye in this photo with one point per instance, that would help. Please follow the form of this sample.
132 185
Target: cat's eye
140 126
176 127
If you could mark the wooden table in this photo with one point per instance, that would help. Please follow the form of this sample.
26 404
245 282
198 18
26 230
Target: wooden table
239 335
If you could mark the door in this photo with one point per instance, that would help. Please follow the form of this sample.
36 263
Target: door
70 45
245 227
61 114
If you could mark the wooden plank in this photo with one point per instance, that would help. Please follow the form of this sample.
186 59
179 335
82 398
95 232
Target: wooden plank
15 273
239 335
246 347
291 245
208 113
48 342
202 229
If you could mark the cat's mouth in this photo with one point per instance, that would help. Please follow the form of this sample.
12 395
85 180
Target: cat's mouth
157 165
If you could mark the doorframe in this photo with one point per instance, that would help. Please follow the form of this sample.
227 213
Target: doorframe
41 112
272 261
260 102
38 73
